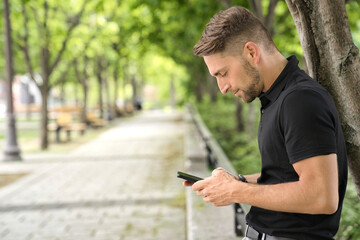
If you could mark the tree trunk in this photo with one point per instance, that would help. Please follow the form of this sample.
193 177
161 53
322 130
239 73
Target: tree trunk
116 88
82 77
44 89
172 93
28 101
108 115
85 103
212 87
333 60
44 116
239 118
134 91
100 82
62 94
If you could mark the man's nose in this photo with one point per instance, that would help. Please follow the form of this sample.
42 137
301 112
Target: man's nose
224 87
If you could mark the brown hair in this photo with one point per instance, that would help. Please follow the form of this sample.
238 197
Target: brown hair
230 29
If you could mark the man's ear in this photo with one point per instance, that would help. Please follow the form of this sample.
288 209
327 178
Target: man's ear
251 52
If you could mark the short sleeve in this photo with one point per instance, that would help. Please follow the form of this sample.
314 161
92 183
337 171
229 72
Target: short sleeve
308 125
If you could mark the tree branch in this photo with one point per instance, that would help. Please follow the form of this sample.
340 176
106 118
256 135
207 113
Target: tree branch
269 20
25 47
62 76
257 9
74 23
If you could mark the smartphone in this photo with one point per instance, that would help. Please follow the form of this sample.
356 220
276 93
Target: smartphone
188 177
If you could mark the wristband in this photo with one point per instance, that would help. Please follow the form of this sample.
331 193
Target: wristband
242 178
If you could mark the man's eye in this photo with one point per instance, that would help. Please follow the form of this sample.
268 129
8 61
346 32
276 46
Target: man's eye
223 74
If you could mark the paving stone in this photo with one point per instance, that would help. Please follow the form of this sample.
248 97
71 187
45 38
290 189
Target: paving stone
121 186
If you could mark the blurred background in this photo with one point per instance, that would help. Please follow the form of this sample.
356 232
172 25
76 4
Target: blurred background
94 61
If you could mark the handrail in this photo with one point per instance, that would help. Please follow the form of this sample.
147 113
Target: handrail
217 158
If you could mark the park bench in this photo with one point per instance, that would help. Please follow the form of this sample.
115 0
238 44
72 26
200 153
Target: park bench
22 108
94 121
64 122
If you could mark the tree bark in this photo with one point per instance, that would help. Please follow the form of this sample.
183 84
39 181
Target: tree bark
333 60
116 87
83 80
199 89
212 87
134 91
44 116
108 114
256 7
99 70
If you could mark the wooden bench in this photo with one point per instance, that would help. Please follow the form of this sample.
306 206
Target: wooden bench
64 122
94 121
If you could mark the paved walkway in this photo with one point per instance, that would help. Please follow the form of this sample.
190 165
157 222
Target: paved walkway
122 186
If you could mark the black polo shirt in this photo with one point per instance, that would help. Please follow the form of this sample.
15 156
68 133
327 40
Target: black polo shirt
298 121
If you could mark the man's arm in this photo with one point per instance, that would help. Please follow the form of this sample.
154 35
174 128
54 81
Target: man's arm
252 178
316 192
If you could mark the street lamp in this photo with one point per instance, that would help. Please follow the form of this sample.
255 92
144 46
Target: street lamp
11 149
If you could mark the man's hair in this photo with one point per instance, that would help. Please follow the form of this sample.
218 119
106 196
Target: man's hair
230 30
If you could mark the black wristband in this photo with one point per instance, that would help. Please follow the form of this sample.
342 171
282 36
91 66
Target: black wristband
242 178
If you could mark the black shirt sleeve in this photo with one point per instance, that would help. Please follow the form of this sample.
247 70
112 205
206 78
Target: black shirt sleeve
308 125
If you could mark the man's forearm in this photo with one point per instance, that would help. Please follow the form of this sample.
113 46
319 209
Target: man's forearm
252 178
283 197
316 191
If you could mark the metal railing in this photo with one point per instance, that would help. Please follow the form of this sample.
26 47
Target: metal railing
217 158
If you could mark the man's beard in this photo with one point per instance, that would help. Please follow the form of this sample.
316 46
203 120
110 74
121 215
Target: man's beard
253 91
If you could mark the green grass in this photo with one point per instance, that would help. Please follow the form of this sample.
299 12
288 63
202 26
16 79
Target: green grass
350 218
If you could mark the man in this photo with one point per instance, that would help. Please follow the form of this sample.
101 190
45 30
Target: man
300 190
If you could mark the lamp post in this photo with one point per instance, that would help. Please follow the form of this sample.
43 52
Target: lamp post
11 149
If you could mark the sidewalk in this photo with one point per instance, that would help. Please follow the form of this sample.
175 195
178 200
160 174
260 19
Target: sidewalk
122 185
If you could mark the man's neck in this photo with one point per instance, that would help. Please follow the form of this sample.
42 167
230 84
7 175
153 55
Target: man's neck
273 65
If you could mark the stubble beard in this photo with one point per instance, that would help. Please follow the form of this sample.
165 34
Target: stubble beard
255 89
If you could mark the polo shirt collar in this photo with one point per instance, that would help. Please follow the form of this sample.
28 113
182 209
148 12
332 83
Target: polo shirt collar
278 86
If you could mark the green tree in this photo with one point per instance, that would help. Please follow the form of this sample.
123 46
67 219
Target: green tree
51 25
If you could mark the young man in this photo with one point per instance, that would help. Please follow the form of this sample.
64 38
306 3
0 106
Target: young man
300 190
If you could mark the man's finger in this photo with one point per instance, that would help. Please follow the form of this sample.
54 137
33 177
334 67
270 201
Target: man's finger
216 171
187 183
199 185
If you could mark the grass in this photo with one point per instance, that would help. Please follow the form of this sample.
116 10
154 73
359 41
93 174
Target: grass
6 179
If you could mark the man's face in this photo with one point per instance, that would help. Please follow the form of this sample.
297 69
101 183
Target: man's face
235 74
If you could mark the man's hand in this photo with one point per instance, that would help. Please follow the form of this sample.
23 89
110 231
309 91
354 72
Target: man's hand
187 183
217 188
